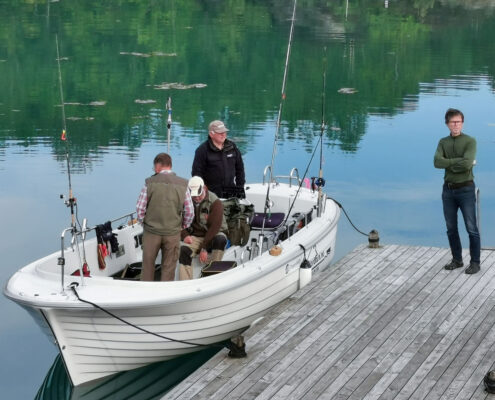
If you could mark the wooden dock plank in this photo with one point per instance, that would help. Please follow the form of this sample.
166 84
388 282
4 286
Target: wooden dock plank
285 329
401 319
426 352
307 314
351 312
399 329
370 319
386 323
427 314
413 344
460 371
475 335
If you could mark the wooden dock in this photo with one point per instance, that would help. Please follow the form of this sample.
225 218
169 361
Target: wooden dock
387 323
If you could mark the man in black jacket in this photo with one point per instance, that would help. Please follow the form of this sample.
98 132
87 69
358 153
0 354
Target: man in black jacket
219 162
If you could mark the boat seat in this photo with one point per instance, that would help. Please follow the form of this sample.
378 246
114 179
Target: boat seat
272 220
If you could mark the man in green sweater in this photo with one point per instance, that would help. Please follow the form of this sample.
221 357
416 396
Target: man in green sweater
456 154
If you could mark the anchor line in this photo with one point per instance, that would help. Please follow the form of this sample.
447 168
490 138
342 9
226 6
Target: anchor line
73 287
279 116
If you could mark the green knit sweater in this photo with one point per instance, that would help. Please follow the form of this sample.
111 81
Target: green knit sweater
456 154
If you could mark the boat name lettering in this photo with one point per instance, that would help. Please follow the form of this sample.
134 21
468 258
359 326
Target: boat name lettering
317 259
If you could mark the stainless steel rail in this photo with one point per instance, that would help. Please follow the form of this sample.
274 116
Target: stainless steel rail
82 233
294 174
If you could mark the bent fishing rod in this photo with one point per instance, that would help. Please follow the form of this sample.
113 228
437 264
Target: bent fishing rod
279 116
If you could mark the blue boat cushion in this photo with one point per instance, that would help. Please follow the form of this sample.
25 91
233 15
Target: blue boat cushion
272 221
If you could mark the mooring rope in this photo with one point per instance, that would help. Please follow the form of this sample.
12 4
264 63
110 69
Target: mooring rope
345 213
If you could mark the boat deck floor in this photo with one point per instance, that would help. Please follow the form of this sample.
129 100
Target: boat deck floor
387 323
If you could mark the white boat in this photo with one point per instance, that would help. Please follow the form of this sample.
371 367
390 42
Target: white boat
183 316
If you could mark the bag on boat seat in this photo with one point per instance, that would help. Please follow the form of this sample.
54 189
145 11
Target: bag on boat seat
133 272
215 267
272 220
238 214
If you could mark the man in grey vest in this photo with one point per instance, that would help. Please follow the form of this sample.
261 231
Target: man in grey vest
207 232
164 207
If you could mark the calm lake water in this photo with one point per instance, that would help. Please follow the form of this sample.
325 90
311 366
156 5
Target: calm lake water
406 61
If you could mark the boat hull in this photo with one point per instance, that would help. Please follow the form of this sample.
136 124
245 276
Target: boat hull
103 326
95 344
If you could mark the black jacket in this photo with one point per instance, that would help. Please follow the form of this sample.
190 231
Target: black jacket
222 170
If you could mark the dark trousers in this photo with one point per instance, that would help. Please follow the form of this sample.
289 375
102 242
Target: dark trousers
464 199
169 245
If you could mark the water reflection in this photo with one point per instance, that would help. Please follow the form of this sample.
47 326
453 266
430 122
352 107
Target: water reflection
227 62
460 82
407 63
149 382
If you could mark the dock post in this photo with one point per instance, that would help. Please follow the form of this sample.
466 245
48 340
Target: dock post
373 240
237 347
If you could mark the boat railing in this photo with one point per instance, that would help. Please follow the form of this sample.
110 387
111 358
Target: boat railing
293 175
267 168
244 250
74 241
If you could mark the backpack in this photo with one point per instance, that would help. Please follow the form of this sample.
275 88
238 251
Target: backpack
238 214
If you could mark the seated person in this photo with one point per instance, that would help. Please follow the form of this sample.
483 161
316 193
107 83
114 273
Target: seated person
207 232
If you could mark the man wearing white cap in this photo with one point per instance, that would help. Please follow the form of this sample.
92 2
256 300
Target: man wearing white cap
219 162
207 232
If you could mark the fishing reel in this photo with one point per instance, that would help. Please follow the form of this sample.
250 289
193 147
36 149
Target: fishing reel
268 205
317 182
68 202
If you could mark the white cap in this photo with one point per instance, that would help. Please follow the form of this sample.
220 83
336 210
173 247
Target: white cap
195 185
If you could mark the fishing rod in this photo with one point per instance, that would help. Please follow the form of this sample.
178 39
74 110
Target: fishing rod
71 201
169 122
279 116
320 182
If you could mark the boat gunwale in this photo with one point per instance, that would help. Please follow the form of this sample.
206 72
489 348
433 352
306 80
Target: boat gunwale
203 288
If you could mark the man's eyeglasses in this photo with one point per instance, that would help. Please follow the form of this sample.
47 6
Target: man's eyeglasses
455 122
